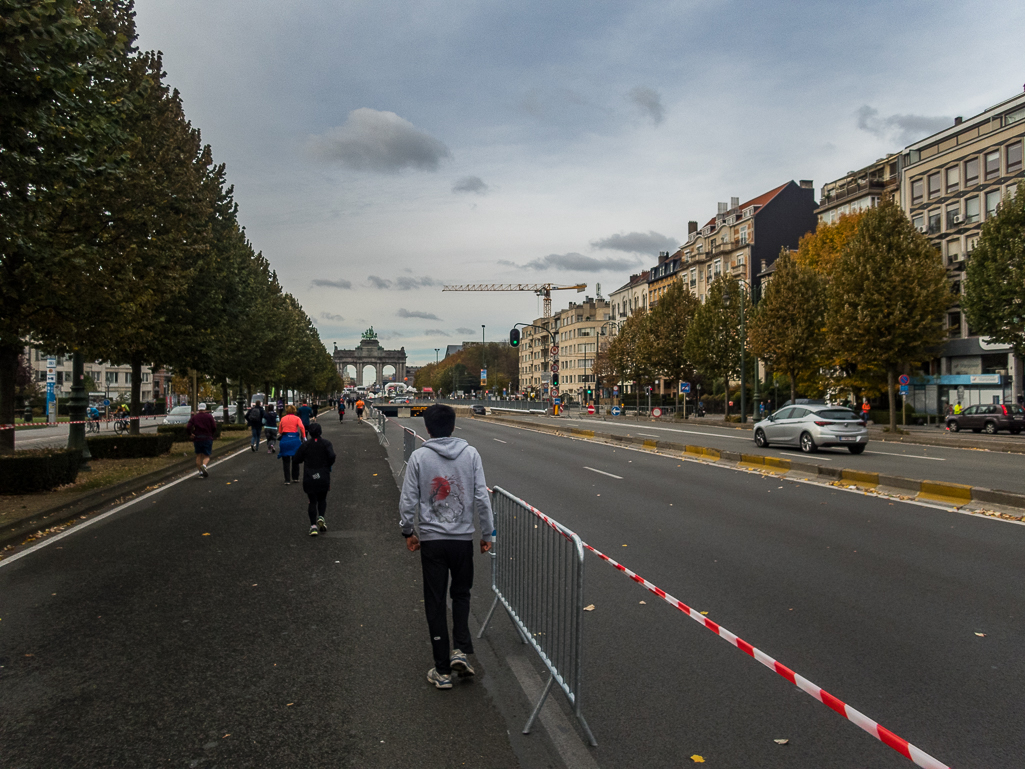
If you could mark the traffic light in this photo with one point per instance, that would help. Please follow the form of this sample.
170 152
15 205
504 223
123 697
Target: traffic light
555 380
514 338
590 393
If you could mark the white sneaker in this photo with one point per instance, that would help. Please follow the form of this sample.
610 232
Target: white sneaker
203 471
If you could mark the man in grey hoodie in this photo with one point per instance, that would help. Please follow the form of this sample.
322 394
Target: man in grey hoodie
443 489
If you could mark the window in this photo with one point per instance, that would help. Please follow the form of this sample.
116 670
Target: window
1015 116
918 223
717 266
934 186
111 377
954 324
971 172
917 191
953 216
934 222
128 377
693 276
992 165
743 235
953 251
1013 157
971 210
953 179
992 202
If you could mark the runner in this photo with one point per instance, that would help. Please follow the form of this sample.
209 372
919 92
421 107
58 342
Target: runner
305 414
270 427
317 456
292 433
254 418
341 410
360 405
202 430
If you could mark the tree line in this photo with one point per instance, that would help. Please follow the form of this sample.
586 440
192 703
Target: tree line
859 303
119 233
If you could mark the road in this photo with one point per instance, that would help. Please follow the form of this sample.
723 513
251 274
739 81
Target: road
911 614
974 467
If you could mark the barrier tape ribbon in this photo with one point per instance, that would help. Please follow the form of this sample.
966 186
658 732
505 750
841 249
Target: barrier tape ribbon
107 420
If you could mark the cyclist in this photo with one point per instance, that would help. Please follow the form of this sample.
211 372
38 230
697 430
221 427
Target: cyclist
93 415
270 427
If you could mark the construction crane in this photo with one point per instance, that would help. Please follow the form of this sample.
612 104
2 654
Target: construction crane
541 289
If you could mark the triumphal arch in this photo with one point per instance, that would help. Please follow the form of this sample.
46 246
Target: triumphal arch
370 353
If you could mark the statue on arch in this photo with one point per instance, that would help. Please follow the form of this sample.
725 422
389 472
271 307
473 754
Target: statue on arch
370 333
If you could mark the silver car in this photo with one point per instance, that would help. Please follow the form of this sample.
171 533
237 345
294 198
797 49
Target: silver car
179 415
811 427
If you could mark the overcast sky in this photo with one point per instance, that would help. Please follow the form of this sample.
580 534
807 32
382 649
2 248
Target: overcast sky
380 149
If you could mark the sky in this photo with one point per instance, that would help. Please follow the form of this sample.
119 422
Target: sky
380 149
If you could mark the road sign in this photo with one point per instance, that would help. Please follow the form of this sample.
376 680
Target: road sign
557 401
51 363
555 366
905 379
555 391
615 388
590 408
904 389
51 377
546 378
656 412
616 411
685 387
555 349
106 401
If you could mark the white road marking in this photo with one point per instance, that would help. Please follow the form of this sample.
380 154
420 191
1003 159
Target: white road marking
674 430
906 456
190 475
499 440
618 477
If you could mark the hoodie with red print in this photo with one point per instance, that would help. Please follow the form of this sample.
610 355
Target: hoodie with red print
443 490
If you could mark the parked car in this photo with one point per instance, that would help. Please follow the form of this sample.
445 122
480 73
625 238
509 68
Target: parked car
479 409
990 418
813 426
179 415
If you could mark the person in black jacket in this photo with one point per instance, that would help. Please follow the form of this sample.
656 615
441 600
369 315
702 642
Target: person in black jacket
317 456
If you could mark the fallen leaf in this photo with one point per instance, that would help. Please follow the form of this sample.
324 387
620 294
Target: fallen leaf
981 635
375 475
704 612
254 584
781 742
290 704
206 534
624 545
226 736
697 759
589 607
644 602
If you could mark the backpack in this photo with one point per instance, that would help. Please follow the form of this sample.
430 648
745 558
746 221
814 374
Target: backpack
255 416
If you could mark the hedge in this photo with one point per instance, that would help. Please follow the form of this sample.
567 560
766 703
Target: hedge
130 446
27 471
181 436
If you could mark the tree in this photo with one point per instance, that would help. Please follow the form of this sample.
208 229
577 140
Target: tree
629 353
994 298
669 328
888 296
63 100
787 330
713 340
820 250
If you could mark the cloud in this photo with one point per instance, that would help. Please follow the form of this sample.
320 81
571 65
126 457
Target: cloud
404 313
382 142
905 129
331 316
377 282
463 330
637 242
649 102
332 283
471 184
404 284
576 262
435 332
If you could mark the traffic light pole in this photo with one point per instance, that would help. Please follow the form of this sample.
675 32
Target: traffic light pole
554 367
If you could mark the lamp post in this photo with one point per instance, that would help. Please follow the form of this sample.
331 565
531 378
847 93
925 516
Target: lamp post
436 351
483 357
602 332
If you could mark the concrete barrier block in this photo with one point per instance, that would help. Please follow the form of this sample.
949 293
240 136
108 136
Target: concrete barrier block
862 479
947 493
1005 498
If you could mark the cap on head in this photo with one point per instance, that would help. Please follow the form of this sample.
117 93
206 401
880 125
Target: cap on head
201 407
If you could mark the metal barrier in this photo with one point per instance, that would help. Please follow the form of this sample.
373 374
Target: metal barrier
408 443
537 572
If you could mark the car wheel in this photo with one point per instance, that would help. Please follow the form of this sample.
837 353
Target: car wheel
856 449
952 426
990 428
760 441
808 444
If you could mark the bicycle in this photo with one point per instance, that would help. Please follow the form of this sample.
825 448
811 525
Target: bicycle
92 426
121 426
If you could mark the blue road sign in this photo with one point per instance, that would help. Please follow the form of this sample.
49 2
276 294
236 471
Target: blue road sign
557 401
903 389
616 411
106 401
685 387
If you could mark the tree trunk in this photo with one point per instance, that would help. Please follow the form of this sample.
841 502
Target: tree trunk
135 399
8 371
891 377
793 389
224 398
726 401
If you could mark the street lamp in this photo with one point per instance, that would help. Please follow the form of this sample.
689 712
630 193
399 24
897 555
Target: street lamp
602 332
483 357
436 351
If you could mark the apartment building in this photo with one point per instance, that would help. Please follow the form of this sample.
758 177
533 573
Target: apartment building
860 190
744 239
630 297
951 183
578 332
663 275
114 381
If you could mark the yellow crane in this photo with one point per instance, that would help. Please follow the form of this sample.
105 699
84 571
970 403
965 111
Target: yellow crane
541 289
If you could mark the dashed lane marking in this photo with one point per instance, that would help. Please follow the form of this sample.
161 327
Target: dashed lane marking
602 472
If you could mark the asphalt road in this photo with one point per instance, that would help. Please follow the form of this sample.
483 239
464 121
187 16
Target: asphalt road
911 614
202 627
974 467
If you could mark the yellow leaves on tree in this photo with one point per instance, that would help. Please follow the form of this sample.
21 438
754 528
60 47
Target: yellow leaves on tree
819 250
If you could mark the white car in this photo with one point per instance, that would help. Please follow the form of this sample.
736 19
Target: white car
179 415
811 427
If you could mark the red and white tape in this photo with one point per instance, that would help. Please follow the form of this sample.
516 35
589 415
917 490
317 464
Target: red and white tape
856 717
38 425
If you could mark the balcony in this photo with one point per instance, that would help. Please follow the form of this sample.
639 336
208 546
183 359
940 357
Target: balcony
852 189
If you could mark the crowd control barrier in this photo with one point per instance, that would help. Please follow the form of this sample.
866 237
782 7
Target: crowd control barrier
408 443
538 576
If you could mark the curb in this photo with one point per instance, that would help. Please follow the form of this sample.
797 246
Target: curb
954 494
99 498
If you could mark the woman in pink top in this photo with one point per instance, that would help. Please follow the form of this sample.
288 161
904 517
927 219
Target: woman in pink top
291 434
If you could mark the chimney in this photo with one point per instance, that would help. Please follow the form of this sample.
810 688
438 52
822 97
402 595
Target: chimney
807 184
692 227
957 120
722 209
734 203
